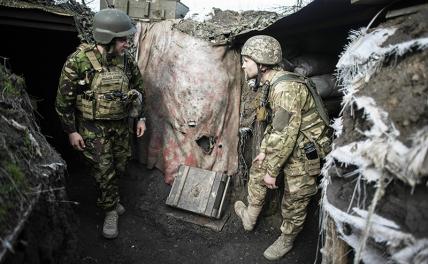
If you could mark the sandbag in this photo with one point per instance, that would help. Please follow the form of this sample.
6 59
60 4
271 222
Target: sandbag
333 106
326 86
314 64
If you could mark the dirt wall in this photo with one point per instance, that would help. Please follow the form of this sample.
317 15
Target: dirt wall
381 200
37 224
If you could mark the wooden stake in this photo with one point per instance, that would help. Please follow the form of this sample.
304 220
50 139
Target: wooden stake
335 250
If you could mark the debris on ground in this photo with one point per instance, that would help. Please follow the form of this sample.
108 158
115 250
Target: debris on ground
149 234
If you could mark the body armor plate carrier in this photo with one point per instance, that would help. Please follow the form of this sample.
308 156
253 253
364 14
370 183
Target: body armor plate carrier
107 98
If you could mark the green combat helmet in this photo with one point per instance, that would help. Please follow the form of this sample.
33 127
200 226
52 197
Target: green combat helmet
263 49
110 24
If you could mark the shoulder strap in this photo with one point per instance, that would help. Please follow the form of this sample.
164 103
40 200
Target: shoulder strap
85 47
94 61
289 77
311 87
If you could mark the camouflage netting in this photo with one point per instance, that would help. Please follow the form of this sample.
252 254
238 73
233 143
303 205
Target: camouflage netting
224 25
375 184
32 194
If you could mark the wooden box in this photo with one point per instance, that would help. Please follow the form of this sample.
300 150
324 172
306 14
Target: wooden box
199 191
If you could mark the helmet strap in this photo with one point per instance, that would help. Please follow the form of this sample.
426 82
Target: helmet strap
108 51
258 78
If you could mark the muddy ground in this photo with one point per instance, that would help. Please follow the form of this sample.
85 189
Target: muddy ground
148 235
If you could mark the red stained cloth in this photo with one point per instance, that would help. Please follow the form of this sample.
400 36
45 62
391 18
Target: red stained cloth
192 90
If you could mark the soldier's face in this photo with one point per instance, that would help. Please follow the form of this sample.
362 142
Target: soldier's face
250 67
122 44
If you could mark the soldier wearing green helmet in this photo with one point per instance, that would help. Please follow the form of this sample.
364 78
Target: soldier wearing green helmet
110 24
100 88
295 140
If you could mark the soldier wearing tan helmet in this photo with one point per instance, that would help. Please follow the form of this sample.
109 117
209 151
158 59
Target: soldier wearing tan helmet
294 142
99 86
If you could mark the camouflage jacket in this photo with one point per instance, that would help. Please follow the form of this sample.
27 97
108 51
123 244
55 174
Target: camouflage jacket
76 77
294 117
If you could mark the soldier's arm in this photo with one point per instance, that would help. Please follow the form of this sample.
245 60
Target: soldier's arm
289 98
66 95
263 143
136 83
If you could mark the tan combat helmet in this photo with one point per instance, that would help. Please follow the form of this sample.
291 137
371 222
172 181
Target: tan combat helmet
263 49
111 23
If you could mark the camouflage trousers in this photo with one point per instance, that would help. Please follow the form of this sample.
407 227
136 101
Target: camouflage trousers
107 152
299 187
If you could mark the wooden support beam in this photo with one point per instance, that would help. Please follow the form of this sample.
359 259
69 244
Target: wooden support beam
369 2
335 250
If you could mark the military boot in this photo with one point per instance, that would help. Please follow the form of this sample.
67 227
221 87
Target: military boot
248 214
279 248
120 209
110 229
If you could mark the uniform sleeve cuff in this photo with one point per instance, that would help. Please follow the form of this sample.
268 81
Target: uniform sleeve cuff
70 130
273 172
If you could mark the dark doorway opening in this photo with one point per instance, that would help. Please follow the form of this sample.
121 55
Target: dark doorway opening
38 55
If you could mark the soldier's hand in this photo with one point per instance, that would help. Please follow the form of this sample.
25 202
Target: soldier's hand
269 181
76 141
259 159
141 127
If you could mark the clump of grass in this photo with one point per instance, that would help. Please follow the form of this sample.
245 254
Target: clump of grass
16 173
12 188
10 84
9 88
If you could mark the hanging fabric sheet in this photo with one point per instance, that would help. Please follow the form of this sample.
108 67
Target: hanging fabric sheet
192 101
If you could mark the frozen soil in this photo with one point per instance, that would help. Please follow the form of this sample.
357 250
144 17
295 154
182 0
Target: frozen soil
222 26
35 218
148 235
400 88
406 207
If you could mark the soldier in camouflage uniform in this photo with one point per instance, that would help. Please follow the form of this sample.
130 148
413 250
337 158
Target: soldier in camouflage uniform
99 88
294 141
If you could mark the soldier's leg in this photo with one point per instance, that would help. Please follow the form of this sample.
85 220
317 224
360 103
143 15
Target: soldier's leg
98 153
121 149
256 196
256 186
121 155
298 191
299 188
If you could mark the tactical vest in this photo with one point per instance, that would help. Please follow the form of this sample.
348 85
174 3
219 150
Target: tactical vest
106 99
